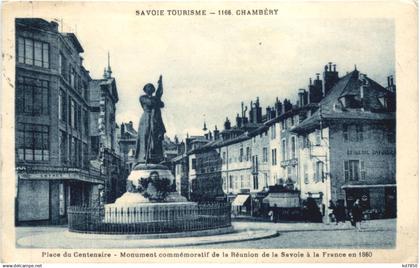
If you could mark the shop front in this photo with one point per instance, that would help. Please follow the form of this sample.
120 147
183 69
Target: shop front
43 194
377 201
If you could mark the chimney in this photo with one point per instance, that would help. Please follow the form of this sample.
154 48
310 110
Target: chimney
268 112
391 86
315 90
279 107
301 94
122 129
238 121
216 133
363 84
130 124
54 26
330 77
287 105
227 124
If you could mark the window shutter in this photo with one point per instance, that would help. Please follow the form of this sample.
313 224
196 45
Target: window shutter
346 170
362 170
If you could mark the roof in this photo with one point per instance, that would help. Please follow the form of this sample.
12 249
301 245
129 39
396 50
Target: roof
331 106
108 83
73 39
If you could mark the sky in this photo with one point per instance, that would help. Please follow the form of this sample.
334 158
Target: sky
210 65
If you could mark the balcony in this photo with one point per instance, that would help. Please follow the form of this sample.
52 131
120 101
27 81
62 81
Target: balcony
289 162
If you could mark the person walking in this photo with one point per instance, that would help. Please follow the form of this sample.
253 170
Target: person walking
333 215
356 215
340 212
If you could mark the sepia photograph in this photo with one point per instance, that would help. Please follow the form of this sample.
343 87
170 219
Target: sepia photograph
224 128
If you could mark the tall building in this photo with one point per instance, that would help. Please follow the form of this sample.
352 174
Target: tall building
105 155
348 147
336 143
52 124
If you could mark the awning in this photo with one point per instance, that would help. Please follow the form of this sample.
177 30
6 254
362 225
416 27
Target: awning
282 200
349 186
240 200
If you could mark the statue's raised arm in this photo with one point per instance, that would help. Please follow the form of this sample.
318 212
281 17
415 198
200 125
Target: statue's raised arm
159 91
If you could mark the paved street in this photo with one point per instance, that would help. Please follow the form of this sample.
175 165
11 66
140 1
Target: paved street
319 239
374 234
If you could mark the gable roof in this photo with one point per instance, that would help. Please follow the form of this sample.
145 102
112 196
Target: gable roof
331 106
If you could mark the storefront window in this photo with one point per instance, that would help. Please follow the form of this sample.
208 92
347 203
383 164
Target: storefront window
62 200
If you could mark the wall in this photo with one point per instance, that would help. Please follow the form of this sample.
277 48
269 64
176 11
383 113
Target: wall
34 198
375 150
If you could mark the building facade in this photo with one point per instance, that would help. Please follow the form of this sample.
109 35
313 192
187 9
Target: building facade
52 124
105 155
336 143
348 150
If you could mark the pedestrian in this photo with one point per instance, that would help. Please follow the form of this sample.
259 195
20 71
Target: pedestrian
332 207
340 212
271 215
356 215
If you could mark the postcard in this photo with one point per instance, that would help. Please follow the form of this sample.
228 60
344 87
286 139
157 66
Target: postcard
225 132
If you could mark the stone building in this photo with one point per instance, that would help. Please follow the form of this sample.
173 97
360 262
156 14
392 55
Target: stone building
348 146
103 96
52 124
127 142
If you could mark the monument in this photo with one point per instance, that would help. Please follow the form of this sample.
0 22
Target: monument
151 205
150 181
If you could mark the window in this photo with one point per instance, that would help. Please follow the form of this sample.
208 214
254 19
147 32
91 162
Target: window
63 147
283 150
292 121
255 181
273 132
319 171
265 154
255 163
241 154
354 170
73 114
305 142
305 173
62 104
193 163
33 142
72 76
274 157
224 157
85 155
73 151
32 96
62 200
33 52
86 122
62 62
283 125
230 182
248 154
293 149
318 137
359 132
345 132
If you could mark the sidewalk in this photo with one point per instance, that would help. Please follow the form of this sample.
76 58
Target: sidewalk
371 225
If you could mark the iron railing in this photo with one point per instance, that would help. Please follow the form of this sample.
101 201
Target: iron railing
85 219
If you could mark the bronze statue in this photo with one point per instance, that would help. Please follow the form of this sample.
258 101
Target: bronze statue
151 129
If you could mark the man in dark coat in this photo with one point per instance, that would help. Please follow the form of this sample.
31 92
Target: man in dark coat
356 215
